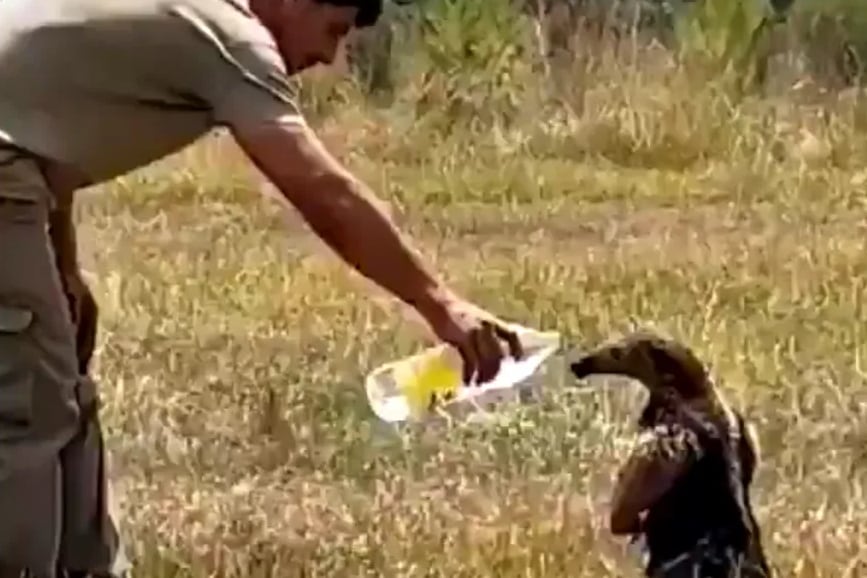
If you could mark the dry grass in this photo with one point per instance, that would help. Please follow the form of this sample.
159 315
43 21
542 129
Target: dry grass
233 348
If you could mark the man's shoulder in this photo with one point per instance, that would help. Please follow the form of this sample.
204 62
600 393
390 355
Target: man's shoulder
99 70
82 10
229 31
231 21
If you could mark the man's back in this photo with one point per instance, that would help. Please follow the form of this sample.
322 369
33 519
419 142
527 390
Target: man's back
107 87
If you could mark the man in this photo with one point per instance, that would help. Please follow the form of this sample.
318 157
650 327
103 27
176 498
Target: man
685 486
92 89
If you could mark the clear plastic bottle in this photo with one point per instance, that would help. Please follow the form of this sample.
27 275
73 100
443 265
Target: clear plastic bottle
412 388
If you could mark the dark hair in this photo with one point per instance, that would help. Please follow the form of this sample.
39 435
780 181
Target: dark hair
369 11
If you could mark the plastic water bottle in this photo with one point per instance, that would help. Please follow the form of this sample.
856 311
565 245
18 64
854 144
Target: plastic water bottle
413 388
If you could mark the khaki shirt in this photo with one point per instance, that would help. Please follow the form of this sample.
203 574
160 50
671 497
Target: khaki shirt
108 86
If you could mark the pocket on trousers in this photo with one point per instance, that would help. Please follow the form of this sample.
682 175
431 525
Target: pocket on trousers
16 369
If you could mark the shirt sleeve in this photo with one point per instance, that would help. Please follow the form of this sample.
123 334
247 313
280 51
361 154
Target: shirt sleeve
239 72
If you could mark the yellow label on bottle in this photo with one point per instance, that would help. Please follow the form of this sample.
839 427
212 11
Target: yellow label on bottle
428 381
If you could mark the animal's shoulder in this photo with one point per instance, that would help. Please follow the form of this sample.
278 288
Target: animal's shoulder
669 440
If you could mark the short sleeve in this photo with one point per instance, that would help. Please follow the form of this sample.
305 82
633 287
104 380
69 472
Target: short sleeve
239 72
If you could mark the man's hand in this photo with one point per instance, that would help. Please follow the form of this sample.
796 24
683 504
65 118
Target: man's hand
353 222
476 335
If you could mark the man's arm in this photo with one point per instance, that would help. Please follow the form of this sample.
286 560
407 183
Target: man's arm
354 223
343 212
236 68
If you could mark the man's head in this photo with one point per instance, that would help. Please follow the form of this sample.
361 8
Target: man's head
309 32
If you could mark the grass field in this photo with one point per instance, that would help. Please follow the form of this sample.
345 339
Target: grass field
233 345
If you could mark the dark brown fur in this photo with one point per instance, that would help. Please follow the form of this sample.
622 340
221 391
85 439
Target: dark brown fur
681 389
